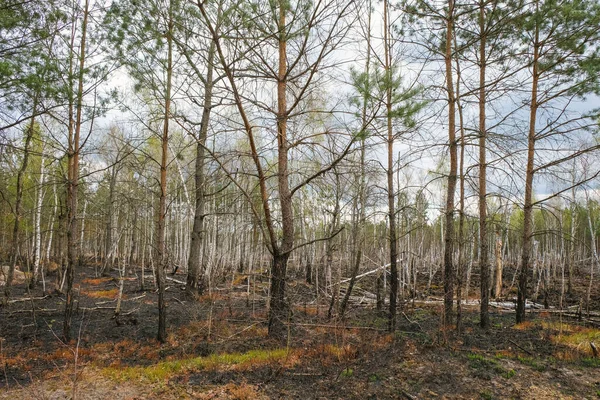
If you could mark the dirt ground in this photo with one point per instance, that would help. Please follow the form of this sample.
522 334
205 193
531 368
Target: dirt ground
218 349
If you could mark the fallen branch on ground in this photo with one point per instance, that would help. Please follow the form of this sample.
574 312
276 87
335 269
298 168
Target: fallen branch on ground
27 299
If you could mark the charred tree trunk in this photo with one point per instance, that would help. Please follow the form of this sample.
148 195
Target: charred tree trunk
278 311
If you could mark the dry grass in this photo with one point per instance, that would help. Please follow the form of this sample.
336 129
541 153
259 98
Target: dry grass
97 281
125 349
233 391
578 341
102 294
524 326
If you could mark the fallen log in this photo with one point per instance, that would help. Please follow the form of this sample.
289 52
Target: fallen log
27 299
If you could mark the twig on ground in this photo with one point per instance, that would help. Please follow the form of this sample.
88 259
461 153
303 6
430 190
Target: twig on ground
175 280
525 350
408 395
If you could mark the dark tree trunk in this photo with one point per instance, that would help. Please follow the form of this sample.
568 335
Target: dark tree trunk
17 210
484 266
528 202
73 184
162 207
195 278
279 312
449 238
390 178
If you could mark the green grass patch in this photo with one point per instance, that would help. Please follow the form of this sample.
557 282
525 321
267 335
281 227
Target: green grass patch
166 369
375 378
532 362
486 367
590 362
486 394
509 373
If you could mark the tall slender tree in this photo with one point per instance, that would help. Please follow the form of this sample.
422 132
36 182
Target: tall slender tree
271 27
143 39
564 65
75 112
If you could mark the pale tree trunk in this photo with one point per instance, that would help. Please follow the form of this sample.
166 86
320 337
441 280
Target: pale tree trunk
498 269
563 263
572 243
195 283
134 241
82 228
470 270
109 245
37 247
594 252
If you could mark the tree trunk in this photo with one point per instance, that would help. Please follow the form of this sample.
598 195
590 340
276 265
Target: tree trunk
278 312
195 278
390 174
134 241
161 258
73 182
572 245
334 306
460 270
484 268
109 245
37 247
528 201
449 238
498 269
594 253
51 224
15 245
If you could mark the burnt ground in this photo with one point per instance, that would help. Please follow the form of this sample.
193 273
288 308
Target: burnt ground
218 349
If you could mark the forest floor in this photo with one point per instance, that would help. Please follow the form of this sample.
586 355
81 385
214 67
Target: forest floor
218 348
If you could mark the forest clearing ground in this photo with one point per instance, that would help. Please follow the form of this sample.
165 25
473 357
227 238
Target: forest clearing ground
218 349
